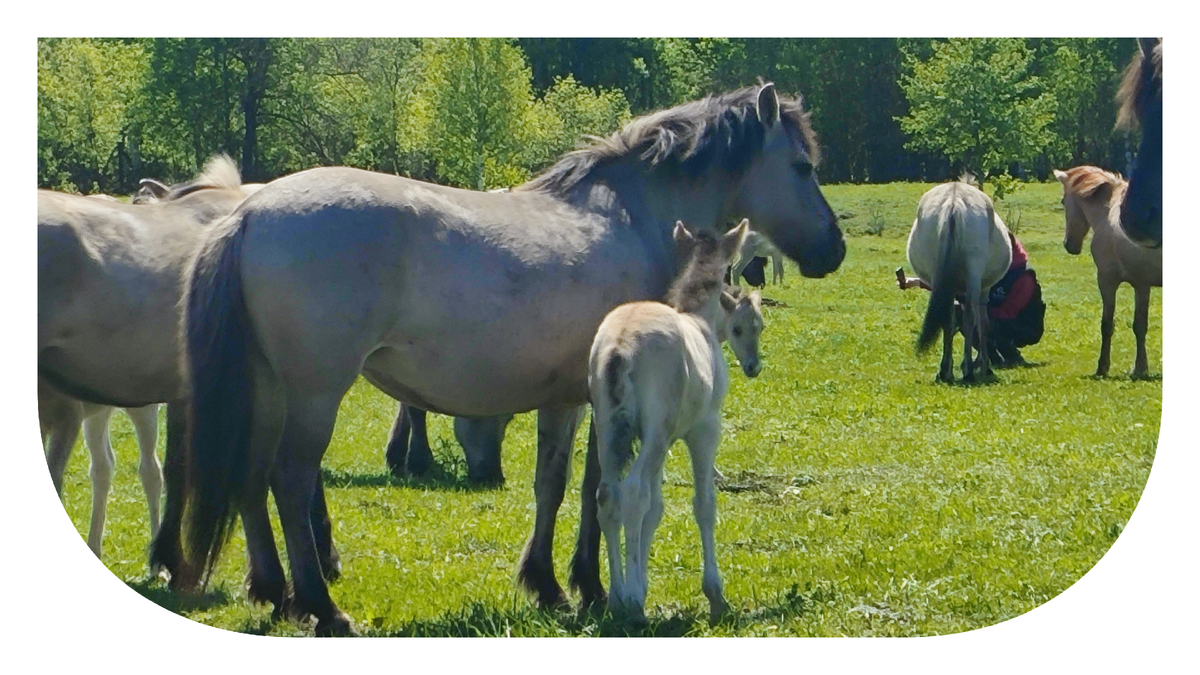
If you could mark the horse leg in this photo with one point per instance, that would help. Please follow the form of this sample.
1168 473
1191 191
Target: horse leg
1141 322
327 553
608 509
946 370
637 503
982 327
702 446
420 457
95 436
265 580
777 268
59 418
1108 295
556 435
397 445
651 478
481 440
295 473
166 551
585 564
145 425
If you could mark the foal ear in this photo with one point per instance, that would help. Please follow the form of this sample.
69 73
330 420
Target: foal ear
732 242
756 300
1061 176
728 302
768 105
681 233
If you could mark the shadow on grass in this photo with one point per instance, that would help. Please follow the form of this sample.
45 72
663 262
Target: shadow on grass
437 478
480 620
1123 377
157 592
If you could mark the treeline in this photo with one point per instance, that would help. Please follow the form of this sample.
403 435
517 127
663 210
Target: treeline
484 113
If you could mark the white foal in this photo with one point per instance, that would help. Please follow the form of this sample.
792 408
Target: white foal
658 373
60 418
755 245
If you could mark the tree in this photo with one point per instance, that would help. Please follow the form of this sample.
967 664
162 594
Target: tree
975 102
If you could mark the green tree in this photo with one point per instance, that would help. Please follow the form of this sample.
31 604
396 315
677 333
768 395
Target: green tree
565 114
975 102
88 91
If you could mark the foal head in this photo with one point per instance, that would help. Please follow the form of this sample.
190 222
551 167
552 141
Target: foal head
1084 186
742 325
703 257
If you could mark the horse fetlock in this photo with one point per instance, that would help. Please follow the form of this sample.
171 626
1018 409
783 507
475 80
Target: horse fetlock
339 625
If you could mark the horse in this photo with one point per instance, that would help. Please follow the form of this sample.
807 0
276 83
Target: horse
1093 199
958 246
108 293
1140 98
408 449
657 373
757 245
460 302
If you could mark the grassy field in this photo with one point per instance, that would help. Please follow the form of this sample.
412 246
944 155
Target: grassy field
863 498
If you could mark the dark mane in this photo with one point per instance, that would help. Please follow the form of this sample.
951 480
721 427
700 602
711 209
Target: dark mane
722 129
1141 83
702 276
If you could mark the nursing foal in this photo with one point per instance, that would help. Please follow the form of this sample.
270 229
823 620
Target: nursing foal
657 373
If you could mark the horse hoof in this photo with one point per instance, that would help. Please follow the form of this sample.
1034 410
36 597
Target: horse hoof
1138 374
945 378
717 612
339 626
553 602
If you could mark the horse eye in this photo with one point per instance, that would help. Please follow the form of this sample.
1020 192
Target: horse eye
737 331
803 168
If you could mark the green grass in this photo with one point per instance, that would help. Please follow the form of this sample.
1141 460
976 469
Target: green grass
864 498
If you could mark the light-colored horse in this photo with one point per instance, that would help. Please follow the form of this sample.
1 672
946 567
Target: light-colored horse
108 293
959 247
756 245
657 373
1092 200
459 302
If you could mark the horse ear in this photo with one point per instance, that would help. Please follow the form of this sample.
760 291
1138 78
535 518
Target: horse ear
768 105
1147 45
728 301
756 300
153 188
1061 176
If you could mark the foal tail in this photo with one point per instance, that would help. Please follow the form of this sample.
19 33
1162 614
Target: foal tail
940 311
619 428
217 340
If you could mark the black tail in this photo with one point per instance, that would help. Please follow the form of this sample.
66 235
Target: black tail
940 311
217 339
623 411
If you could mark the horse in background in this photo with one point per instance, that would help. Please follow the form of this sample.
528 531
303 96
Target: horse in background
108 295
657 373
408 450
1140 98
959 247
458 302
1092 200
757 245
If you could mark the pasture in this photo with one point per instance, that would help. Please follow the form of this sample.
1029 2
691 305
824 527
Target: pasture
863 498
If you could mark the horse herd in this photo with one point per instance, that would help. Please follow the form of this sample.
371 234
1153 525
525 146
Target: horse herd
250 310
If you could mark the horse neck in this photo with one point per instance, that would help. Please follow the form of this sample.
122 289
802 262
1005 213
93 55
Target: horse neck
1101 217
657 197
710 315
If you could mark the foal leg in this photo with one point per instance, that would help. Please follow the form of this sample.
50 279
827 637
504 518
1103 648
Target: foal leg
294 478
777 268
1141 322
608 497
702 446
556 435
95 436
1108 295
585 564
145 425
397 445
637 503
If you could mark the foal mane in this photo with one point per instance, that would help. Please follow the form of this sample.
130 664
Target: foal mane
1141 82
719 129
220 173
1084 181
702 276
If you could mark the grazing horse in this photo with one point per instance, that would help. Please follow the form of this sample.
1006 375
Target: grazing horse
1140 96
1092 199
108 293
657 373
959 247
459 302
408 445
757 245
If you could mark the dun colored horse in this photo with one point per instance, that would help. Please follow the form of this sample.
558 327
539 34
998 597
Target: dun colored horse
458 302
